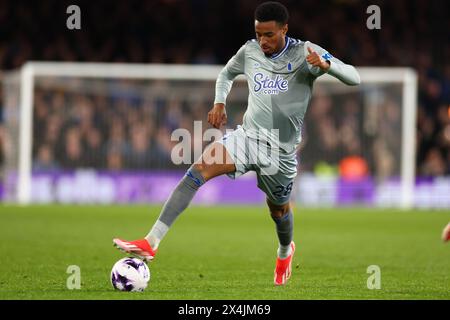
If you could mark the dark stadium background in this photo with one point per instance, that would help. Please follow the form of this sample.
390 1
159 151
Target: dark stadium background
413 33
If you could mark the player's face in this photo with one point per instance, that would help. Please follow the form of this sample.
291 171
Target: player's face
270 36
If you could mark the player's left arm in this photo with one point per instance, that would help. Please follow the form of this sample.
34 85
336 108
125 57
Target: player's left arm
321 61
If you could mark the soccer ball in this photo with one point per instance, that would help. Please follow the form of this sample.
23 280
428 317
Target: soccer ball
130 274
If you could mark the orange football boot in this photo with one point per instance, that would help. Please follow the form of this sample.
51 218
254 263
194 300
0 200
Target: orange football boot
283 268
138 248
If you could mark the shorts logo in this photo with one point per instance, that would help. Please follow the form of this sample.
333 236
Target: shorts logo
266 85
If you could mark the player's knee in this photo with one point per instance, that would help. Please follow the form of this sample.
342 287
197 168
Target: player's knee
278 211
200 168
209 171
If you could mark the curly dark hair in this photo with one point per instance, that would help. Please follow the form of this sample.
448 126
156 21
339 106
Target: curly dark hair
272 11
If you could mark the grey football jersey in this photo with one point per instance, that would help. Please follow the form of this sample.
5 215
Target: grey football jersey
280 88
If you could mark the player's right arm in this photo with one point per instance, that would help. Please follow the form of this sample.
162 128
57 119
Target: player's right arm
235 66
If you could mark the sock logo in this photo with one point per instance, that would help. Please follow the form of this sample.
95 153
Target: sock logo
270 86
196 180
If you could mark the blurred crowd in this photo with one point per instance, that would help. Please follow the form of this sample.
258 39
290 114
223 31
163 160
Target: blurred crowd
343 124
70 126
116 126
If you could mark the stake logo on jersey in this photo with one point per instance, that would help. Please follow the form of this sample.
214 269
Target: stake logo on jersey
266 85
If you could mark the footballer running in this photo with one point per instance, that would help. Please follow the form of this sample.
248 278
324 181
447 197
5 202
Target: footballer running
280 73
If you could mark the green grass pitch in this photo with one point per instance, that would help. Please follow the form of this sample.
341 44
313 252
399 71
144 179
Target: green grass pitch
225 252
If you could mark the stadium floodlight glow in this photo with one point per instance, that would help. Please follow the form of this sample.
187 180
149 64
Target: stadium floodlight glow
405 77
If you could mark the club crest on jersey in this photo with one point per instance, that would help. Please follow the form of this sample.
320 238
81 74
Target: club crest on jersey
266 85
327 56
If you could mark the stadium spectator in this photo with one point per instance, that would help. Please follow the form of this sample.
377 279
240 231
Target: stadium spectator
114 159
45 160
94 151
139 156
72 153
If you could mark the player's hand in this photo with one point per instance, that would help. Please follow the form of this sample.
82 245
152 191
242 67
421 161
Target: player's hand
314 59
217 116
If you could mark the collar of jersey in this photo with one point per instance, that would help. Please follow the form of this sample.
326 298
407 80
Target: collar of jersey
279 54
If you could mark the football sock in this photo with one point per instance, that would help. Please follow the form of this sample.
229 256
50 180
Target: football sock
179 199
284 251
155 235
285 228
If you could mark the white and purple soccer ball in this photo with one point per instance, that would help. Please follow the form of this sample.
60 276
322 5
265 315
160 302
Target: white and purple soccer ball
130 274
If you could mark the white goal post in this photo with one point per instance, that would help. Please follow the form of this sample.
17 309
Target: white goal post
406 77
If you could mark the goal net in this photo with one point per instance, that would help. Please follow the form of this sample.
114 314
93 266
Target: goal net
106 133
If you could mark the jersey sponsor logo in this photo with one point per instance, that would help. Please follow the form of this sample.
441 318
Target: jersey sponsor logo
266 85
